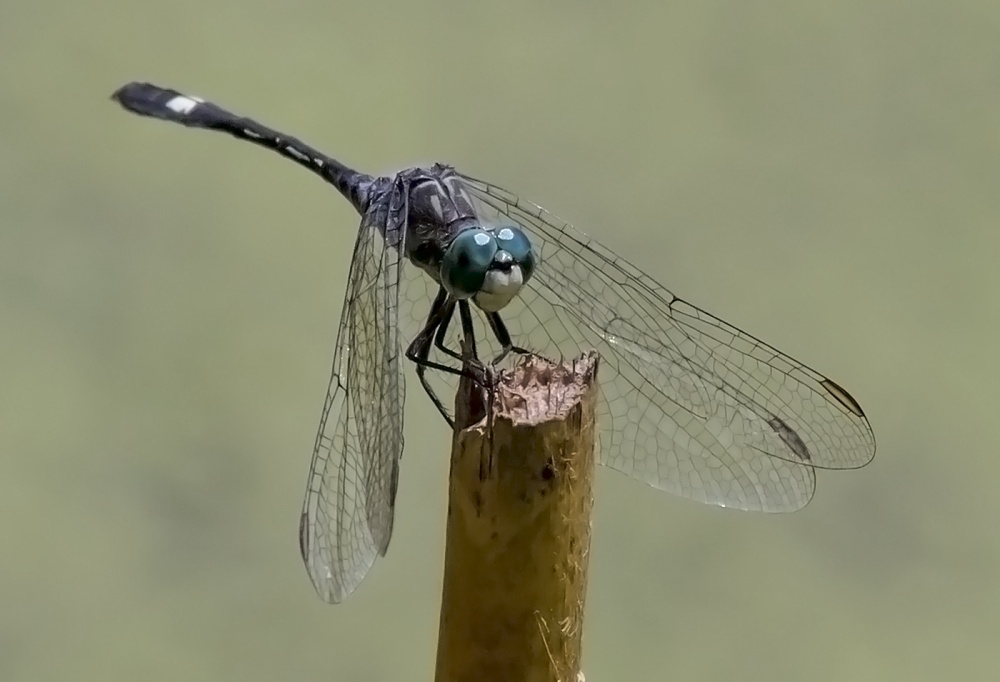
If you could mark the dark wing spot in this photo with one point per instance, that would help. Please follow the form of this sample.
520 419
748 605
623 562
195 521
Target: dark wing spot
842 396
790 438
304 537
393 485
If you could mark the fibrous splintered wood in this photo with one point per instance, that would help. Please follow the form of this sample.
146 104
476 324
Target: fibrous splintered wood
518 535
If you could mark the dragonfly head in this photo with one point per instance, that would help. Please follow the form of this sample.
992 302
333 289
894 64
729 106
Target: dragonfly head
488 265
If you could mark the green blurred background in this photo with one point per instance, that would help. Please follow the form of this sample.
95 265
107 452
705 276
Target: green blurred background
824 175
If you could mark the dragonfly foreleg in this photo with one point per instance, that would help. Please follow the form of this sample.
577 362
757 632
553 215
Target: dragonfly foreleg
432 334
503 337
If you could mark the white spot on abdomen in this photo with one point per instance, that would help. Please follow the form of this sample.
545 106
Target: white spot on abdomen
183 104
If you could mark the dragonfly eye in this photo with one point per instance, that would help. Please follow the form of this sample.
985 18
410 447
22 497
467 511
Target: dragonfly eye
514 241
466 262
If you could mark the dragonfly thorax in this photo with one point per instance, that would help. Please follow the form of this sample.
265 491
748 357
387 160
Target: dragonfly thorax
488 265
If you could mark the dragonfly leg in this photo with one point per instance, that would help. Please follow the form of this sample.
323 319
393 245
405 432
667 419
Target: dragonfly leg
442 330
419 349
438 319
503 336
480 373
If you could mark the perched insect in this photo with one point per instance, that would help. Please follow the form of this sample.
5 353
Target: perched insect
690 404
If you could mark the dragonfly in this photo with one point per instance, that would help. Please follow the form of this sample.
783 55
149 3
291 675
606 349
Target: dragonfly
689 404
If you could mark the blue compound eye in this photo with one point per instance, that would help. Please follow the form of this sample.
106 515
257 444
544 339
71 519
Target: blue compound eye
514 241
466 262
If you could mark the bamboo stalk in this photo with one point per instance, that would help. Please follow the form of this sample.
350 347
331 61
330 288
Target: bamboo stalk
518 532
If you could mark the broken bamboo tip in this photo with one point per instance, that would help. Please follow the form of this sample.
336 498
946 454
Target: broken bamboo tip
518 531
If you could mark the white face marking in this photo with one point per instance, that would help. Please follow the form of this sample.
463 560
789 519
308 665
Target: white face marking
183 104
482 238
499 289
505 234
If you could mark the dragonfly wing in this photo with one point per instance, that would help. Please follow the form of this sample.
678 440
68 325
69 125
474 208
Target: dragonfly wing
347 514
690 404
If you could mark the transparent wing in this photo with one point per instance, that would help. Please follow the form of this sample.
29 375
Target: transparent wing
690 404
347 514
